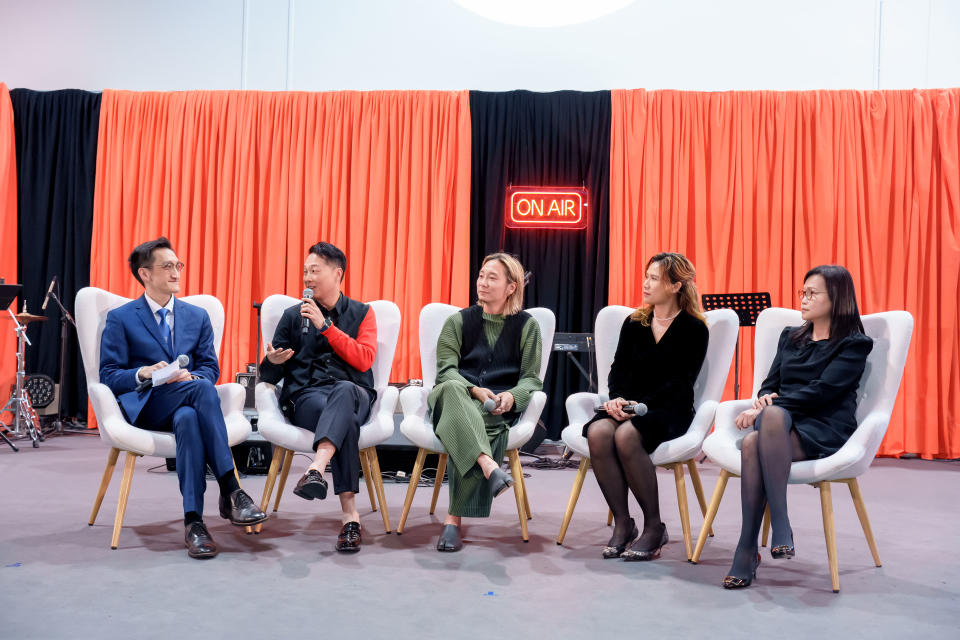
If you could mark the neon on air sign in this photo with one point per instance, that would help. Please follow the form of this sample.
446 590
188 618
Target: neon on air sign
546 208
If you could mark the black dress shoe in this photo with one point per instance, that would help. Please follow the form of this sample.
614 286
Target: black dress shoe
498 482
240 510
198 541
642 555
734 582
615 551
450 539
349 539
311 485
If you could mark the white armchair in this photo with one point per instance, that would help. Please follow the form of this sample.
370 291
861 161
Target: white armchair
673 454
288 438
92 306
419 430
891 332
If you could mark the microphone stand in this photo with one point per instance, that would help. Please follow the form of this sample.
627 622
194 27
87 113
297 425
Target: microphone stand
256 378
65 318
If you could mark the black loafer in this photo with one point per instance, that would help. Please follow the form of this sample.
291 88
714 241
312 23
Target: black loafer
198 541
498 482
311 486
349 539
450 539
643 555
240 510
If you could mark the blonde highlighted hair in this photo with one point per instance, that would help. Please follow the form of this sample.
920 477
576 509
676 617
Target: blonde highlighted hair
515 274
675 267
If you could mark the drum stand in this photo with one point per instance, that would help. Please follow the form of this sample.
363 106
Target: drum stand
19 404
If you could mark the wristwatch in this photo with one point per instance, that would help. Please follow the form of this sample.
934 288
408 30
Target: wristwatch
327 323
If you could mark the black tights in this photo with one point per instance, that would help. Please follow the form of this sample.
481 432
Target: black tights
764 468
620 462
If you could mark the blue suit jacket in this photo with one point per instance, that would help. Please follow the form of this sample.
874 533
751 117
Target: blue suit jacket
131 339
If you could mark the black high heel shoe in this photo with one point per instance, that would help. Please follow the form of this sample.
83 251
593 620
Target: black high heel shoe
783 550
610 552
643 555
733 582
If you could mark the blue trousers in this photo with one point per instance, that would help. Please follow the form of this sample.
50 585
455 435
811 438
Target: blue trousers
192 411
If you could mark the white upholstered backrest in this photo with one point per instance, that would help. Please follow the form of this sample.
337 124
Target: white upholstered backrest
770 324
388 319
432 317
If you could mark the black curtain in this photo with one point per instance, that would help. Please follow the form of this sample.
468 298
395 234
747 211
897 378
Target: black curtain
546 139
56 140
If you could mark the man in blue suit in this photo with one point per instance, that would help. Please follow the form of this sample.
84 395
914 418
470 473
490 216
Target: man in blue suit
140 338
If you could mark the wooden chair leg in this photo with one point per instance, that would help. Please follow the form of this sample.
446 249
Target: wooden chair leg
438 481
284 472
765 531
711 514
830 533
526 496
128 465
236 474
104 483
517 470
682 504
864 520
378 485
412 489
609 517
278 454
698 488
574 496
368 477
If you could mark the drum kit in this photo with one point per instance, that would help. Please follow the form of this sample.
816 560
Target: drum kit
25 422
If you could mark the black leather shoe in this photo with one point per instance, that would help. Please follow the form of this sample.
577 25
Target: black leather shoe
311 485
615 551
642 555
734 582
450 539
349 539
240 510
498 482
198 541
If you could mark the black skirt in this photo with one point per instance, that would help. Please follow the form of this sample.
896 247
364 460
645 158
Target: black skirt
655 427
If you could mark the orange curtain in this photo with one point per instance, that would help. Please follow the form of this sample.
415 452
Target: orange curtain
8 238
244 182
757 187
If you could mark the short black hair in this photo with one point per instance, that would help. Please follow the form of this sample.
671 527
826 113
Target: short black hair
142 255
331 254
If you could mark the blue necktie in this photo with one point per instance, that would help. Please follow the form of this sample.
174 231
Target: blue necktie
164 327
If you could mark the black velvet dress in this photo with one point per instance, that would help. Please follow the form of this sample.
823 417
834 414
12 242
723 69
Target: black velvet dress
659 374
816 382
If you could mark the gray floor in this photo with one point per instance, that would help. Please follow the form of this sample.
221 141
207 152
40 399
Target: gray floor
59 578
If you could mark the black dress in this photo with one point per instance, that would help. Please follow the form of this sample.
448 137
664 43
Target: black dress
659 374
816 382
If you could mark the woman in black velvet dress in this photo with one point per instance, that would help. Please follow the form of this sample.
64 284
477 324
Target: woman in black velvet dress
805 410
661 348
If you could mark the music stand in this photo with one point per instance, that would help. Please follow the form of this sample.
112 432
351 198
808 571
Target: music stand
8 293
747 306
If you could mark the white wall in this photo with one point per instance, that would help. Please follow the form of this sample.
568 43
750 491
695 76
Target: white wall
320 45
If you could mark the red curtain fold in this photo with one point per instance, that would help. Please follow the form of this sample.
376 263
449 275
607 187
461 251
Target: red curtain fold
757 187
8 238
244 182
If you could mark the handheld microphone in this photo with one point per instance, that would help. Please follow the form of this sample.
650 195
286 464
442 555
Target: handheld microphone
307 293
46 300
638 409
181 362
489 405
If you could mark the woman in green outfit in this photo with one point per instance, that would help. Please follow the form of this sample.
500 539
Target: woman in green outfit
488 365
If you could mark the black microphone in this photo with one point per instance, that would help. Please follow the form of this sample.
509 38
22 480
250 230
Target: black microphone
638 409
46 300
307 293
182 361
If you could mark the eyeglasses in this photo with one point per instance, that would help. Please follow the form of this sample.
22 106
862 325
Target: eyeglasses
808 294
170 267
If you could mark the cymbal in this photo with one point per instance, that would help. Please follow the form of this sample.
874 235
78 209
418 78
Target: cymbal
27 318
